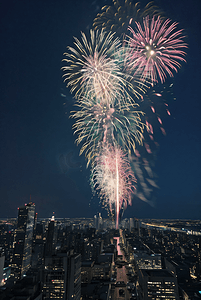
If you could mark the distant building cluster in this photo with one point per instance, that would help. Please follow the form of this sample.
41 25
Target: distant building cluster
87 258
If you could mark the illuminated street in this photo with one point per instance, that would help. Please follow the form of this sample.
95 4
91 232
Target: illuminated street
120 291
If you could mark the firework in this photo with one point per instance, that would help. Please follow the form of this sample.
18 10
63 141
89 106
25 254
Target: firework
99 124
113 178
155 48
109 78
93 70
116 18
155 105
146 178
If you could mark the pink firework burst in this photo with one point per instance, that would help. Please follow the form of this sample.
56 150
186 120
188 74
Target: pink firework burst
113 177
155 49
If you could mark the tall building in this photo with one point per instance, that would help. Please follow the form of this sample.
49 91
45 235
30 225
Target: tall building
50 239
95 221
74 277
137 225
131 224
38 246
2 260
22 253
98 221
62 276
157 284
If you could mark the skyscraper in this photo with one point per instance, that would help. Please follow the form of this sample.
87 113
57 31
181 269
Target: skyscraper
23 240
74 277
2 260
95 222
49 245
157 284
98 221
62 276
131 224
38 246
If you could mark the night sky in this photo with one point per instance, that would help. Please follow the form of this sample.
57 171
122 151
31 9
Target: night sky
38 155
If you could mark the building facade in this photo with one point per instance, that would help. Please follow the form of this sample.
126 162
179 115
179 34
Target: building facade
22 252
157 284
62 276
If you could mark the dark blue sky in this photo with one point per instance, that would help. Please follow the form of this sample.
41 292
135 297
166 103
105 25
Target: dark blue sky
38 155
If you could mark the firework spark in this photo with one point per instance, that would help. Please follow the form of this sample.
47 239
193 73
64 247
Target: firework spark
155 48
146 178
113 178
93 70
156 106
99 124
118 16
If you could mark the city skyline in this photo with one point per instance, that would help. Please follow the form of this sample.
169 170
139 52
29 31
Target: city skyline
77 258
38 153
